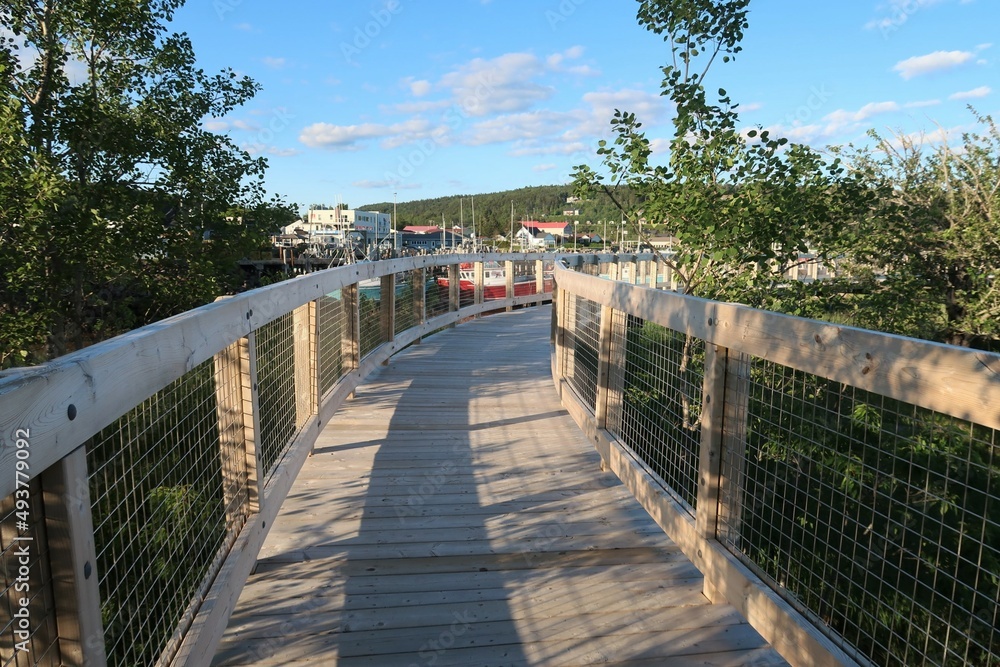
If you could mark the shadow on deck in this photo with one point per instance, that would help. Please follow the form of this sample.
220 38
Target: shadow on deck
454 514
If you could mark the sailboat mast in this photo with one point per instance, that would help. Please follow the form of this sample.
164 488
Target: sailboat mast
475 237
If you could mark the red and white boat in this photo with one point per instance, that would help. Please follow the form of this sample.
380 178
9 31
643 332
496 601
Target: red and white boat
494 281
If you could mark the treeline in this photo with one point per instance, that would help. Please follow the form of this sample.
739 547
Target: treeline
493 210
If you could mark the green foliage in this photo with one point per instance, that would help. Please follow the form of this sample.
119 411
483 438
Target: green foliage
928 255
743 207
159 516
846 490
876 516
114 199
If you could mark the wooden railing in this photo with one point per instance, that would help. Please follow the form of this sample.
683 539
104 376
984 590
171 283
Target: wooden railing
140 475
839 487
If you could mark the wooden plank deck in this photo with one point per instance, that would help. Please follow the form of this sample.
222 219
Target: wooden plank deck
453 514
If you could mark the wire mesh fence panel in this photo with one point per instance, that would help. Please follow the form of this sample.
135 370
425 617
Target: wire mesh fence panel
330 314
879 519
494 281
275 343
405 313
548 269
582 348
168 493
371 324
437 293
466 285
656 403
27 611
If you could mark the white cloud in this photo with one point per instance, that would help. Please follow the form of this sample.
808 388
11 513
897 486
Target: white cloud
544 167
842 118
274 63
349 137
919 104
420 88
500 85
263 149
932 62
215 125
975 93
244 125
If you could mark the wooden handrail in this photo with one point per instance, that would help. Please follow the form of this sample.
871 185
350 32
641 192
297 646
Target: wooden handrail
952 382
63 404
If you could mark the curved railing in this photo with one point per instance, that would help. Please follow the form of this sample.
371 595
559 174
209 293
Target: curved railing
140 475
840 487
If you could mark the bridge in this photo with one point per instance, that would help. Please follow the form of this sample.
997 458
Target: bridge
605 472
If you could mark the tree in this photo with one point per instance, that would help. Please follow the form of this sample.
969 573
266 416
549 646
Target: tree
743 205
111 187
933 238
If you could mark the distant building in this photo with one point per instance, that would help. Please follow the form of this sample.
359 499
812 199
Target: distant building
329 225
430 241
536 234
571 212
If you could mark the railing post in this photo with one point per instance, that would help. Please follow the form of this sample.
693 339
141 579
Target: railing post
250 401
454 292
604 362
350 343
539 276
418 285
556 336
235 426
509 273
306 363
713 412
479 279
69 526
387 309
604 367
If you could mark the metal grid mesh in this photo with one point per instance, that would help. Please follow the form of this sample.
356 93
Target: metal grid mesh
31 581
168 487
331 315
525 277
494 281
275 343
437 294
548 271
582 347
405 314
467 290
658 375
880 519
371 324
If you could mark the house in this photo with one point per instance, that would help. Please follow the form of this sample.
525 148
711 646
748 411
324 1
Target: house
429 238
536 234
333 223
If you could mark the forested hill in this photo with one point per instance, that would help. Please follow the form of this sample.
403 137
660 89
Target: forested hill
543 202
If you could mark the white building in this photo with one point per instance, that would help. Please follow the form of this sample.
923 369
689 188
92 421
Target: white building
333 223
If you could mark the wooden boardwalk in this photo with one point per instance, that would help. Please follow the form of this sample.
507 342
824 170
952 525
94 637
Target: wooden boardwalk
453 514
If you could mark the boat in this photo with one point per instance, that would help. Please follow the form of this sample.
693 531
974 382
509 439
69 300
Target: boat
494 281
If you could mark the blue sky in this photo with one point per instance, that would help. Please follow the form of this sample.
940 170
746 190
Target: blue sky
370 99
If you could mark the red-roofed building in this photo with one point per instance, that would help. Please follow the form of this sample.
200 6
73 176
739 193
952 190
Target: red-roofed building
418 229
